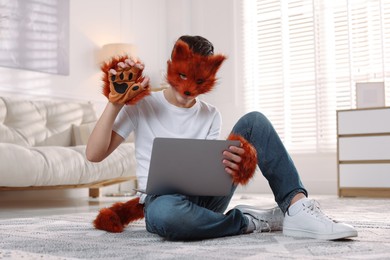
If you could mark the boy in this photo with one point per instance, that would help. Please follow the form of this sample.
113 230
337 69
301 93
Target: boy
177 112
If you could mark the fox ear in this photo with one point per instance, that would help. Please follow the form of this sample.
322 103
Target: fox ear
181 51
216 61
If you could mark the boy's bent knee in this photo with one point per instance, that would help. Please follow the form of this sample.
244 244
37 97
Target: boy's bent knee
165 216
251 120
255 116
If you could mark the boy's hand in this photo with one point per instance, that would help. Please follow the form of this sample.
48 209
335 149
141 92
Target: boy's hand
232 159
124 81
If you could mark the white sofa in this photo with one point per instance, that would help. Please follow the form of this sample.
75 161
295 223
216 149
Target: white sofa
42 146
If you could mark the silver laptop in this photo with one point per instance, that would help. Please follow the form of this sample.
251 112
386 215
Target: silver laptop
189 167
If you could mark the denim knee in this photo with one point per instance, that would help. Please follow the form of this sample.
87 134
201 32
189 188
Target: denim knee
164 216
255 115
249 120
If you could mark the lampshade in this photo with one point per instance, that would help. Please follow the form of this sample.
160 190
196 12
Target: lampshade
117 49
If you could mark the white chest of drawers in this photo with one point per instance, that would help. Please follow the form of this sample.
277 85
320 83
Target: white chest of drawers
363 144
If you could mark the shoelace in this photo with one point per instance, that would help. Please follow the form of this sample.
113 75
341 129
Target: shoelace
264 226
314 207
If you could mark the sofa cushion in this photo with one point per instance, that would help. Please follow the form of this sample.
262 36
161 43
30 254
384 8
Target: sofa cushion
82 132
9 134
54 165
41 123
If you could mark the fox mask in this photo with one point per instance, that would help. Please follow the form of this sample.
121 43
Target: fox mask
192 74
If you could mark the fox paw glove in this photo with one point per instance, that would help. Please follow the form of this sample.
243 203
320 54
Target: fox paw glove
123 85
248 163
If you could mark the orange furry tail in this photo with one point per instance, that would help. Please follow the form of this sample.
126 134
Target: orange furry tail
248 161
119 215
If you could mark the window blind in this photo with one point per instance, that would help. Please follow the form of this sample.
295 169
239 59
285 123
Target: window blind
34 35
302 59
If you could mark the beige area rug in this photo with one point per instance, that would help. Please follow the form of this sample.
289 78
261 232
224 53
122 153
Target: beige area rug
73 237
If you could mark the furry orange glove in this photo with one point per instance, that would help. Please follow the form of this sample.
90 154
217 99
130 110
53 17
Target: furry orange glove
122 82
248 162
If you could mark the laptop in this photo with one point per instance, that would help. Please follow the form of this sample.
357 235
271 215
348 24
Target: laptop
189 167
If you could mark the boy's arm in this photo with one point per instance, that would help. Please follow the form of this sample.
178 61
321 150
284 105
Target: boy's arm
215 129
123 84
103 140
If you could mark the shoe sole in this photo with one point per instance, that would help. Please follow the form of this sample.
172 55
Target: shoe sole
306 234
273 215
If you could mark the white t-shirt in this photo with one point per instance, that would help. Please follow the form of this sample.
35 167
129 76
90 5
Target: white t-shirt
154 116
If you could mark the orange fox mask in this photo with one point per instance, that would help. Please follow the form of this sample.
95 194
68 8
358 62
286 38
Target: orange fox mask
192 74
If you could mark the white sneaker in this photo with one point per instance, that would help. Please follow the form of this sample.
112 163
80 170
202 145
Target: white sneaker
265 220
305 219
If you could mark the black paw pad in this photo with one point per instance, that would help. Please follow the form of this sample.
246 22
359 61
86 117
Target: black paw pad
120 87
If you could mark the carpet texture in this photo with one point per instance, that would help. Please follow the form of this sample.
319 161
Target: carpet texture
73 237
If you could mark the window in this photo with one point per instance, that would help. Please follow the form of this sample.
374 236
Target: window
302 59
34 35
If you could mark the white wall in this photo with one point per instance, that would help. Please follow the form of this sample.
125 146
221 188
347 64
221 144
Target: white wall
154 25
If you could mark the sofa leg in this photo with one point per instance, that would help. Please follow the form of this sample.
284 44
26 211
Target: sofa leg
94 192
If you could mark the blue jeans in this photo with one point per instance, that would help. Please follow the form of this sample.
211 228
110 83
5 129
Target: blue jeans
179 217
